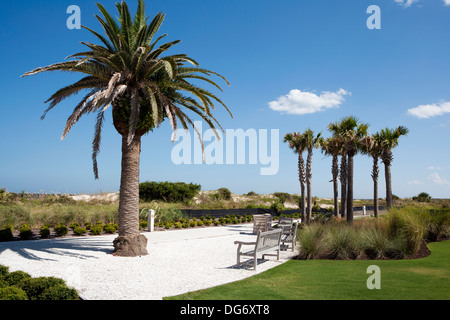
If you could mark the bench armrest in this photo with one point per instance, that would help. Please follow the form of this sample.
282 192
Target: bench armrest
245 243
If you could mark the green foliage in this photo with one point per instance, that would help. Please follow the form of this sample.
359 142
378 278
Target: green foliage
12 293
14 215
168 191
277 206
74 225
422 197
223 194
394 235
25 232
44 231
61 230
109 228
143 224
37 288
79 231
59 292
14 278
97 229
6 234
4 270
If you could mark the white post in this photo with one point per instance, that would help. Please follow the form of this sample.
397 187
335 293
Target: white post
151 220
364 210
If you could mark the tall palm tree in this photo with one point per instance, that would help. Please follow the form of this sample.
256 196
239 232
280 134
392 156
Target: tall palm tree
311 141
388 140
371 147
332 146
128 72
351 131
334 128
296 143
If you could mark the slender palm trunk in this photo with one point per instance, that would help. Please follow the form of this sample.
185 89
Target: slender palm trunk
302 179
130 242
335 173
343 186
387 173
350 189
387 160
308 186
375 173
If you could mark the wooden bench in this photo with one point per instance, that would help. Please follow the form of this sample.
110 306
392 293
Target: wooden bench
262 222
268 241
290 236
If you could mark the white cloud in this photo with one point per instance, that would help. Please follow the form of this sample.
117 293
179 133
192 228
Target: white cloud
430 110
303 102
415 182
434 168
407 3
438 180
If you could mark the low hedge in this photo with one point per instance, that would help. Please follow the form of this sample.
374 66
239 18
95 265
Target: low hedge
19 285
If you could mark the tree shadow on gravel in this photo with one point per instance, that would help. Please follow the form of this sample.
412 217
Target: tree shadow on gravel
70 247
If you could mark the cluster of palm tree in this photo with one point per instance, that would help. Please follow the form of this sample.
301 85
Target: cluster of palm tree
348 137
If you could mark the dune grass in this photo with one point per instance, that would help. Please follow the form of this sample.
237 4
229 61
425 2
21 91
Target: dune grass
421 279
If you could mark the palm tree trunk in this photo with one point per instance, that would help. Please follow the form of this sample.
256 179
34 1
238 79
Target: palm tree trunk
308 186
335 173
343 186
302 179
387 160
387 174
130 242
375 173
350 189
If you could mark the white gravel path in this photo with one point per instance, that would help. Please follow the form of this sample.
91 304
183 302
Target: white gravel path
179 261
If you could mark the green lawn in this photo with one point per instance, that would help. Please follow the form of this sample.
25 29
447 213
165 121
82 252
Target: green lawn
424 279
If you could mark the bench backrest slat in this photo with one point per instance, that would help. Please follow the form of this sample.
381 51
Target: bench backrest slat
268 239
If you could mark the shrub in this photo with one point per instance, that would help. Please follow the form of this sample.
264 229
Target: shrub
35 287
168 225
12 293
44 231
168 191
59 292
88 225
178 225
6 234
342 243
223 194
422 197
61 230
143 224
311 239
96 229
216 222
4 270
200 223
14 278
277 206
193 223
74 225
109 228
25 232
80 231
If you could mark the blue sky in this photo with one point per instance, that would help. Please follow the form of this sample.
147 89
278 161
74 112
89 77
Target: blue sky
281 58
